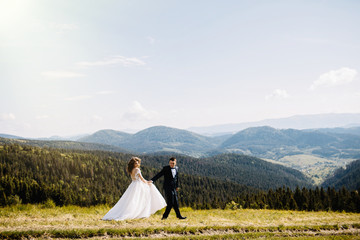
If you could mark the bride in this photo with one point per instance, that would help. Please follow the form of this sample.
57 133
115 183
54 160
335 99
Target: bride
141 198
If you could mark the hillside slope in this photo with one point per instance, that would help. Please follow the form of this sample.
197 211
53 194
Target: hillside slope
267 142
156 139
242 169
348 177
106 136
34 175
63 145
239 169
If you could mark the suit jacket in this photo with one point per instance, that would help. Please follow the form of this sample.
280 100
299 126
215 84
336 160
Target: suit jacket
170 182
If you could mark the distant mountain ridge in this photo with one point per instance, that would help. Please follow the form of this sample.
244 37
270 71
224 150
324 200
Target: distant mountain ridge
10 136
107 136
156 139
314 151
63 144
52 138
264 142
330 120
349 130
259 141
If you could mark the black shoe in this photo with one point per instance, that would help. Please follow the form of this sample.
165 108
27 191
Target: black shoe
181 217
163 218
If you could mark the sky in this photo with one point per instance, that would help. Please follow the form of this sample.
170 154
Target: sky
73 67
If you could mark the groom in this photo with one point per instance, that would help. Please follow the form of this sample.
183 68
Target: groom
171 187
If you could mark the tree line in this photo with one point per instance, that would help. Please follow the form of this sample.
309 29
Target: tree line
34 175
318 199
75 177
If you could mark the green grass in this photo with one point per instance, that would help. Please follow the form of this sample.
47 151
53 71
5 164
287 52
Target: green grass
37 221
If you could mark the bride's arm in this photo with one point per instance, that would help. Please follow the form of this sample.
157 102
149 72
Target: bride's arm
141 177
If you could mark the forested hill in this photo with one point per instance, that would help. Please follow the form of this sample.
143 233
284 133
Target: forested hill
263 142
34 175
267 142
348 177
64 144
42 175
107 136
156 139
241 169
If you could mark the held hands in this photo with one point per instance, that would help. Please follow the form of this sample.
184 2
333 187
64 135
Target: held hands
149 182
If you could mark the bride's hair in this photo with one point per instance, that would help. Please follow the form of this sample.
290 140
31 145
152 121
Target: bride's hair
131 164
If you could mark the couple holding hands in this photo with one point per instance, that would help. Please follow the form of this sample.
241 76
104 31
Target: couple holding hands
142 198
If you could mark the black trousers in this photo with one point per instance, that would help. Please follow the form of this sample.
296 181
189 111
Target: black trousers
172 202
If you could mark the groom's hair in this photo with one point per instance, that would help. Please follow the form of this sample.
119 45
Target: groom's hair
172 159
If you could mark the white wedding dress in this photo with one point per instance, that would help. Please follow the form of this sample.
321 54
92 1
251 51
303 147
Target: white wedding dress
140 200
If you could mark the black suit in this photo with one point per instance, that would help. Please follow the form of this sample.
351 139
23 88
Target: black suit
170 185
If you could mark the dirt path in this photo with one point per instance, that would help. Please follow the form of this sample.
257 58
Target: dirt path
234 232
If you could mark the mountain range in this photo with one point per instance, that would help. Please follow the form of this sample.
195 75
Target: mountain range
265 142
156 139
316 152
330 120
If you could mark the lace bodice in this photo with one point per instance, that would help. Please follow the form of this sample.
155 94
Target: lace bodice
136 174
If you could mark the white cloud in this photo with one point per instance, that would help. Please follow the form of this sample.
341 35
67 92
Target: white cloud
278 94
335 77
116 60
7 116
78 98
138 113
61 74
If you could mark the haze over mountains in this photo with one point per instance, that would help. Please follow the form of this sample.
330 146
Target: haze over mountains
265 142
316 121
330 120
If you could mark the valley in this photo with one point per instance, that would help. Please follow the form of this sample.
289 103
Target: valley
317 168
315 152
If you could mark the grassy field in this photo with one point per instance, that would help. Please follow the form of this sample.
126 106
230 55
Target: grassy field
36 221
